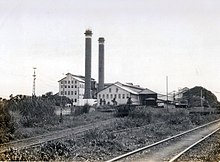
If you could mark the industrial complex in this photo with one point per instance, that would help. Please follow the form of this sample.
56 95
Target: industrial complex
84 89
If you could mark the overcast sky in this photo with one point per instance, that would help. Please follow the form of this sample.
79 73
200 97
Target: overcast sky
146 40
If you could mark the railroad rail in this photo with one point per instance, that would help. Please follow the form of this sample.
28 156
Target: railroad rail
193 145
171 149
55 135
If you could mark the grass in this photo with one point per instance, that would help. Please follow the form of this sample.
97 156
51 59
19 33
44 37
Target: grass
102 144
69 121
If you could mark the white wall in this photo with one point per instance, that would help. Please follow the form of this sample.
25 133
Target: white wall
74 89
121 95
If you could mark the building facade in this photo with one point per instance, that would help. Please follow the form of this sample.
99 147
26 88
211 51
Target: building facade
72 86
118 93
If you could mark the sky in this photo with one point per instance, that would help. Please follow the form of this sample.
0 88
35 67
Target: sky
145 41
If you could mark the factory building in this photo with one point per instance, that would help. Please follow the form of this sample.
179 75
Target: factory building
73 87
118 93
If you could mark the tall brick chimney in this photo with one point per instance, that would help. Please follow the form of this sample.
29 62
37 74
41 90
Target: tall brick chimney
88 56
101 64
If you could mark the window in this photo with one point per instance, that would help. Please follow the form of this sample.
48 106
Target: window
103 96
75 100
75 82
111 95
65 92
119 95
75 92
65 82
68 92
61 82
110 90
72 81
68 82
71 92
106 96
75 86
127 95
99 95
72 86
115 96
65 86
61 92
123 96
68 86
116 90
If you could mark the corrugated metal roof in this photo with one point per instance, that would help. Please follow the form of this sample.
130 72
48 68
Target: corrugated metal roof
79 78
147 91
125 88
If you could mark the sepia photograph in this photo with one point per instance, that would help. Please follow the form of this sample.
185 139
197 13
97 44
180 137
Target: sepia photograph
107 81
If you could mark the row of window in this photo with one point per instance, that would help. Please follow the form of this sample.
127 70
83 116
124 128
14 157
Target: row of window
110 90
65 82
68 93
65 86
72 86
119 96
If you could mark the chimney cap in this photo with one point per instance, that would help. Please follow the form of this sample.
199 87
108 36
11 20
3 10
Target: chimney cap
88 32
101 39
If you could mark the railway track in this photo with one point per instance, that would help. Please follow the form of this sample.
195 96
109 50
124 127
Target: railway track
55 135
170 149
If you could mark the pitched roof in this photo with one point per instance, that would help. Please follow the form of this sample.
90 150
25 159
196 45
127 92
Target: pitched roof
125 88
77 77
131 88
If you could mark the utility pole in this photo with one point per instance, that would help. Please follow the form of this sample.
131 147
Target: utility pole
167 90
34 78
62 103
201 99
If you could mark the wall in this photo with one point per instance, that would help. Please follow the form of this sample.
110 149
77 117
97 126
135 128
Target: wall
74 89
121 95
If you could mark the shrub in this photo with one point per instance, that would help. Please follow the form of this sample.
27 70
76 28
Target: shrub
6 124
123 110
86 108
141 113
34 111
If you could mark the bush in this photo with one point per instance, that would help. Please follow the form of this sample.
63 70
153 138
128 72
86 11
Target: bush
86 108
141 113
6 124
79 110
123 110
34 111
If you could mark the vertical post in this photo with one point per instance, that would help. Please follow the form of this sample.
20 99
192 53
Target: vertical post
201 99
167 90
62 104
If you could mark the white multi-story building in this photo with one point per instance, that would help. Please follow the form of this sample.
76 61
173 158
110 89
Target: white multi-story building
73 87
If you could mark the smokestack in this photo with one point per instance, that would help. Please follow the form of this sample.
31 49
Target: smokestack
88 53
101 63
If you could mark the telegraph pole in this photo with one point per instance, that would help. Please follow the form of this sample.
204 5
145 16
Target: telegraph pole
62 103
201 99
34 78
167 90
